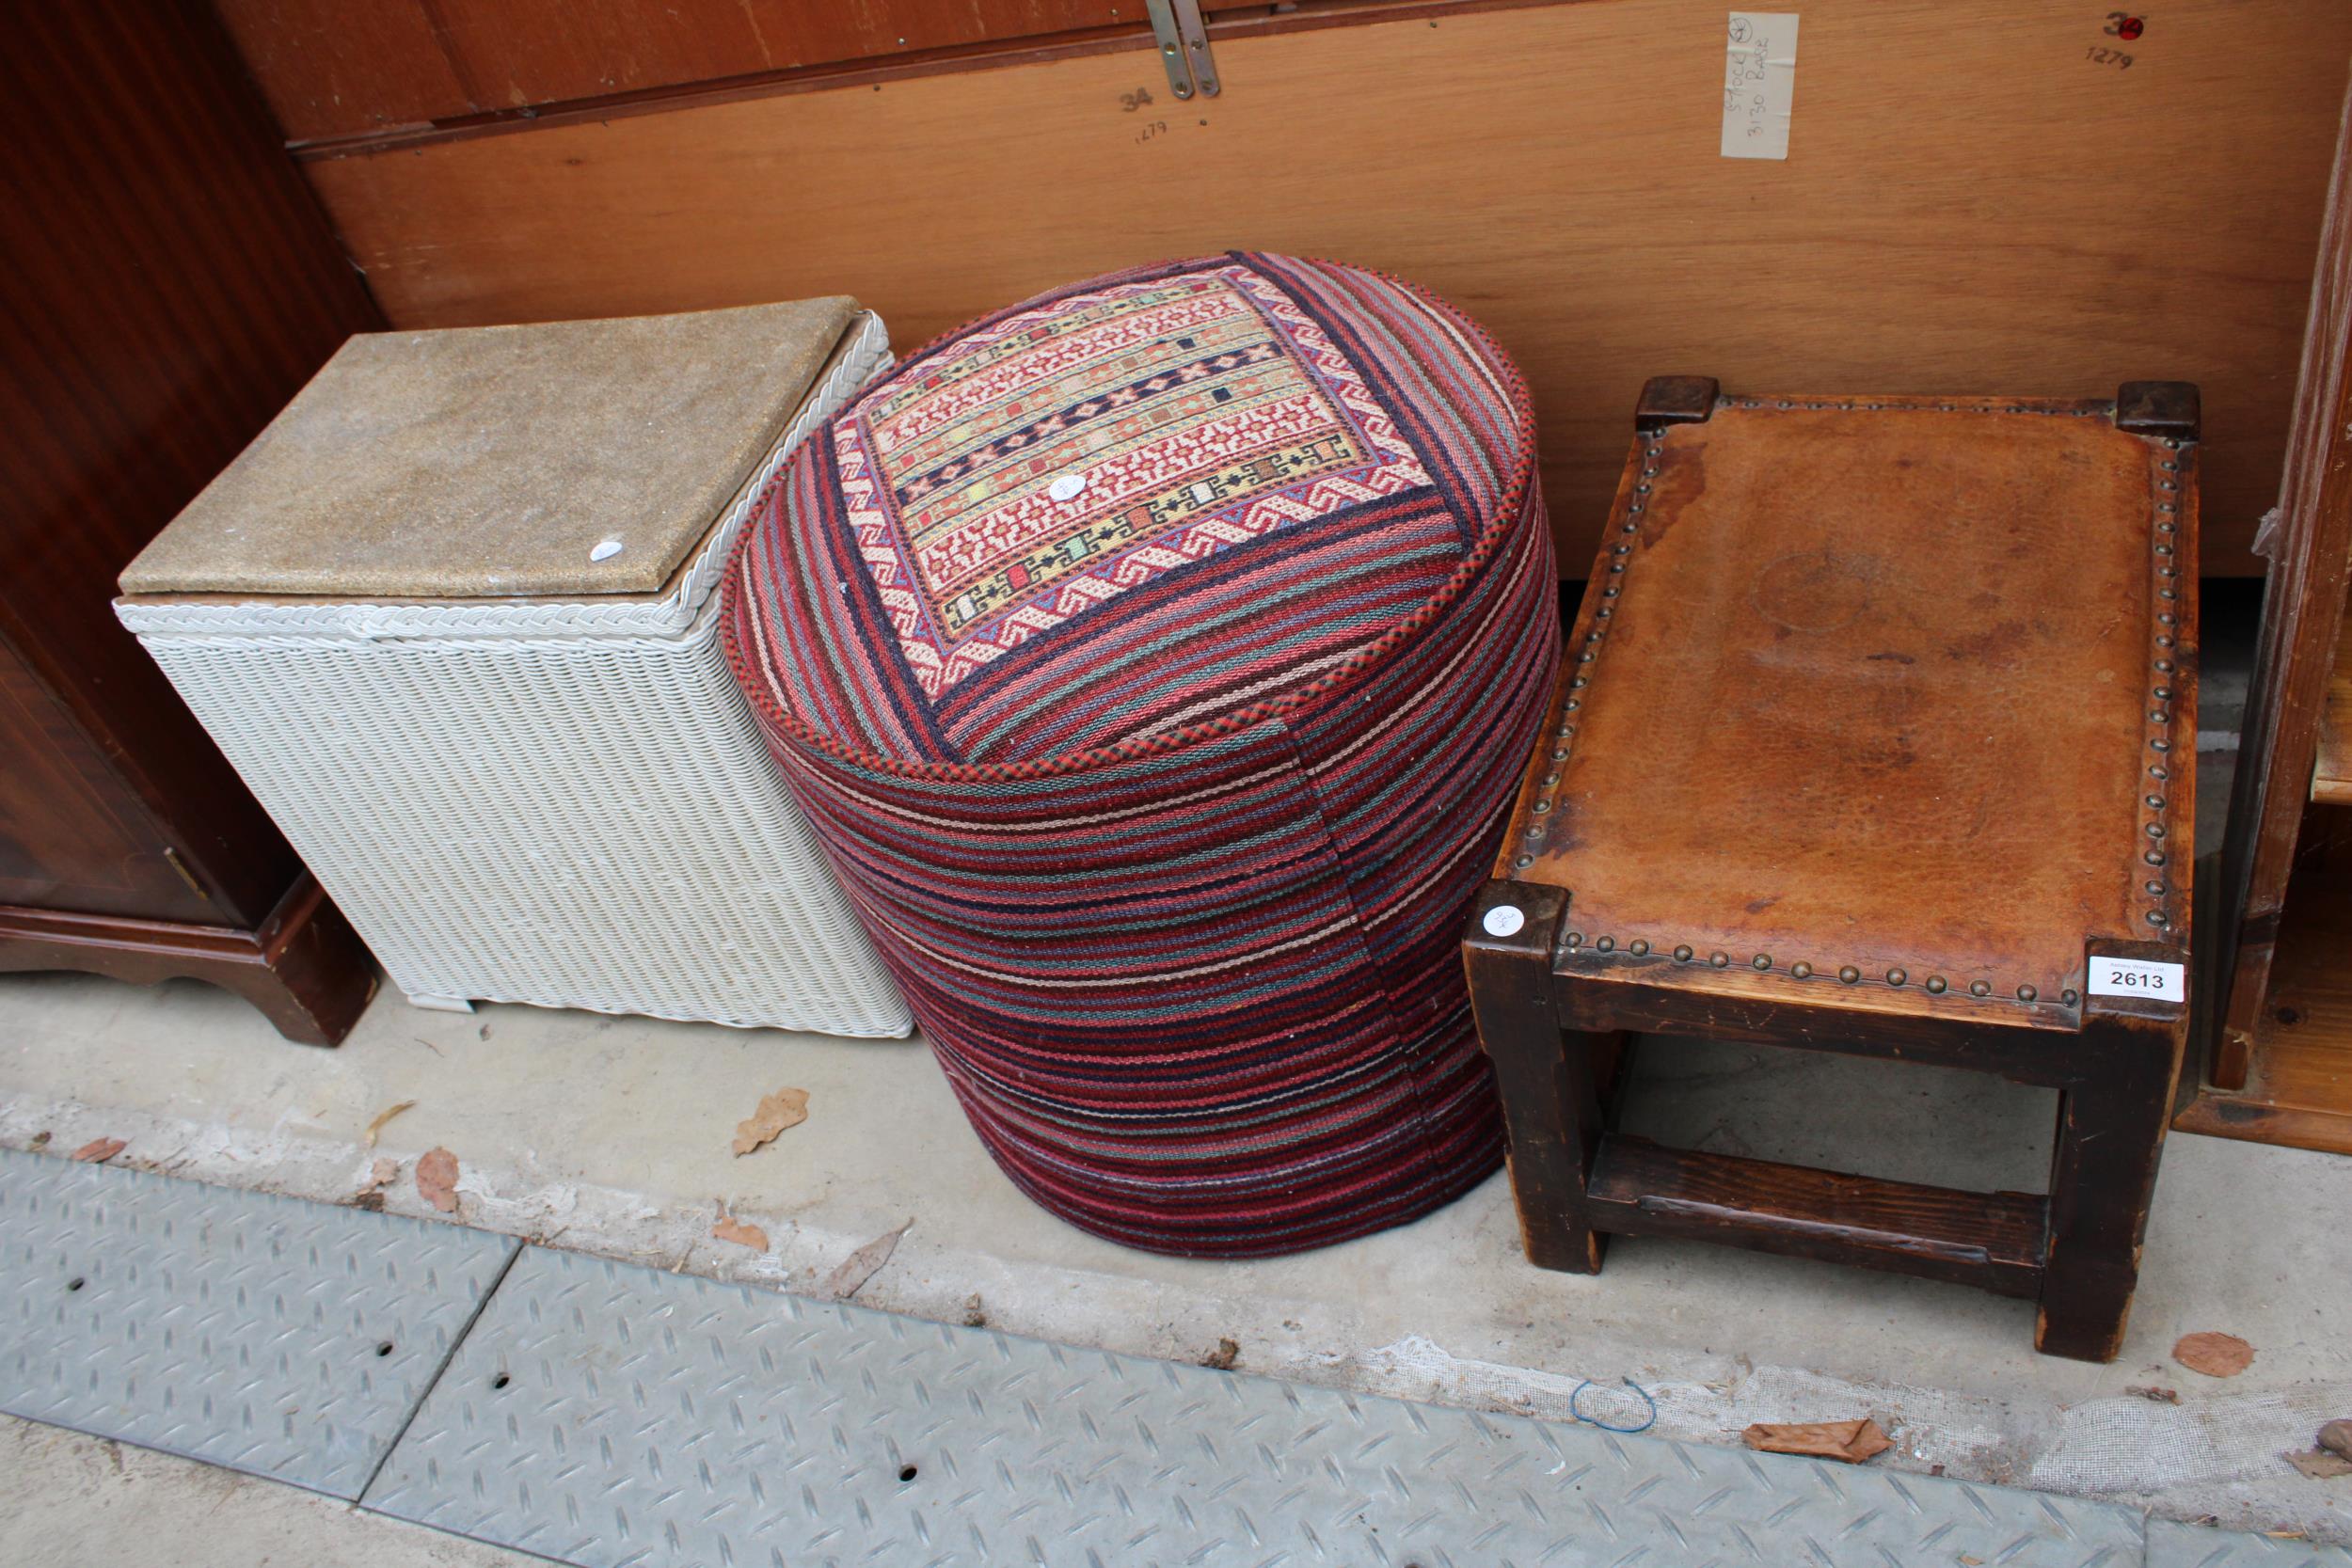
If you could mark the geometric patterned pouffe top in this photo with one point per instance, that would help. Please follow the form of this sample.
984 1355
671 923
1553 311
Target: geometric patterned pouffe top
1154 660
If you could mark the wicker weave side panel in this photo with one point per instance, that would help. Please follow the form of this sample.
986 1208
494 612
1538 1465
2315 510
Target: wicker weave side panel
590 825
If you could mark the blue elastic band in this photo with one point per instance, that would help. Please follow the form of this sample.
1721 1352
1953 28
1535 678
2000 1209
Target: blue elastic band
1604 1425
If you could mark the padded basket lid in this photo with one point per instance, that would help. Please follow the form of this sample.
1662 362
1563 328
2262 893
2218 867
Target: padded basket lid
493 462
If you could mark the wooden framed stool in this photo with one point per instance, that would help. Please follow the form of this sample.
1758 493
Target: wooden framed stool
1876 735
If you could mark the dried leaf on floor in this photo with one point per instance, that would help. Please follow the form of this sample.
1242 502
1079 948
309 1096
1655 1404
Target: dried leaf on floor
99 1151
1850 1441
371 1193
366 1139
436 1180
2214 1355
784 1108
861 1265
2336 1437
2320 1465
729 1229
1222 1358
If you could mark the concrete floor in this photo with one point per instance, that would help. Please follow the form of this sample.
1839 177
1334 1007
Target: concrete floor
611 1136
88 1502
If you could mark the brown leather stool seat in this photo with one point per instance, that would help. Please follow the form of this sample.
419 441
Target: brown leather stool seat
1876 735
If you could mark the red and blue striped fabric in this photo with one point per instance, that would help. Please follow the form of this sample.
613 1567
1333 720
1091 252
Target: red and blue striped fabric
1155 661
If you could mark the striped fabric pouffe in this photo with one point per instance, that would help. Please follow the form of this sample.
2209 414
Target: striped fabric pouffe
1154 660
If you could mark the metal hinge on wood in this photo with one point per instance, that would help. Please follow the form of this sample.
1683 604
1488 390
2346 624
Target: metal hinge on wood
1183 43
171 858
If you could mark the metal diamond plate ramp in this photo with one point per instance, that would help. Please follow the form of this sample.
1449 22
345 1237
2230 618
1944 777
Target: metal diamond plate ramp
286 1339
607 1415
2173 1545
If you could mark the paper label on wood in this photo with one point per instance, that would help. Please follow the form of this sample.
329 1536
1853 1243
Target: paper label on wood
2157 982
1759 83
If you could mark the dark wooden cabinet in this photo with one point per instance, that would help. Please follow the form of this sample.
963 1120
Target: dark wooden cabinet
2279 1063
169 284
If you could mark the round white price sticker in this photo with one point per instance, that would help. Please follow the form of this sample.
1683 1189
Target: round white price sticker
1505 920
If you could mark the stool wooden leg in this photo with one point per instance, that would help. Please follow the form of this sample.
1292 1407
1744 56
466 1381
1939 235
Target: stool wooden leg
1551 1099
2110 1134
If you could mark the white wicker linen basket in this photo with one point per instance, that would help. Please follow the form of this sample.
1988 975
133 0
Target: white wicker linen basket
555 801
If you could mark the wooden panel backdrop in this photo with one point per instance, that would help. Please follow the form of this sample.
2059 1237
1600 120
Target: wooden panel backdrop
1977 201
341 68
334 67
170 285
